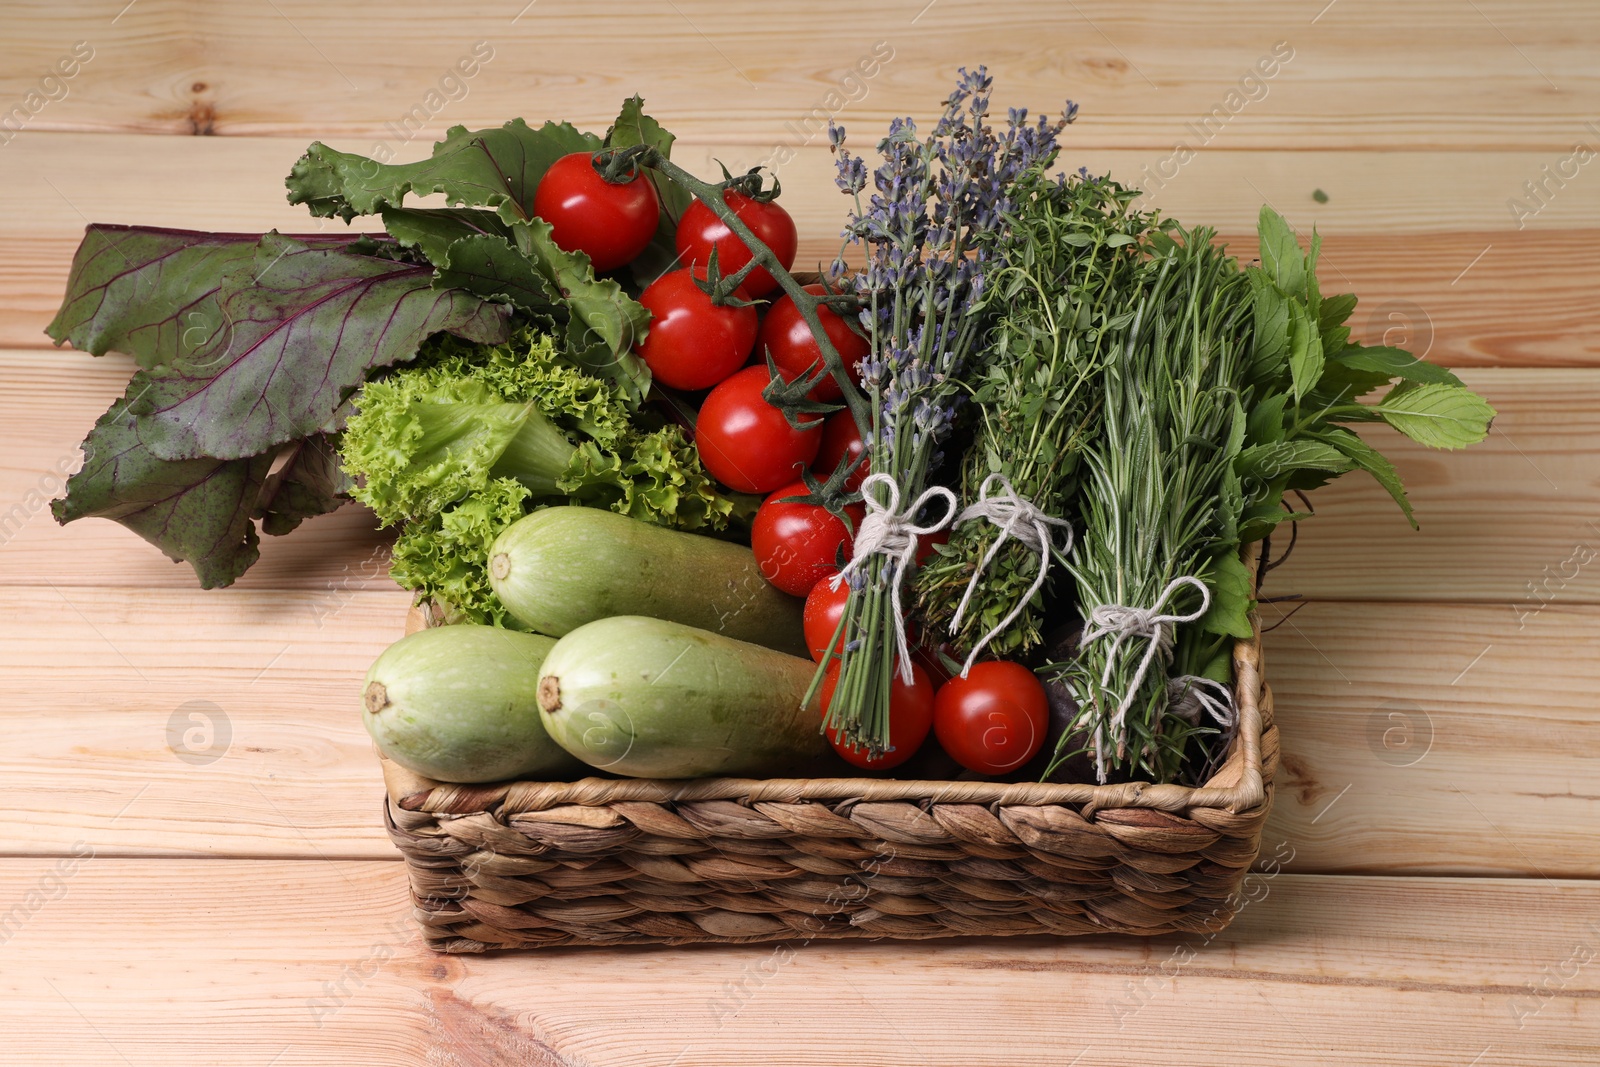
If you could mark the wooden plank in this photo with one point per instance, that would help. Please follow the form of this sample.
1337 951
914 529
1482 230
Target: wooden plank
1350 76
1437 738
1501 521
104 758
1426 239
312 963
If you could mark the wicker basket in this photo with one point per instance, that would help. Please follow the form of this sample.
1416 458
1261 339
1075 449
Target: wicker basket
637 861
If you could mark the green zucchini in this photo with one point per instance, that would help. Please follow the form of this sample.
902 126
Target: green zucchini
655 699
562 567
459 704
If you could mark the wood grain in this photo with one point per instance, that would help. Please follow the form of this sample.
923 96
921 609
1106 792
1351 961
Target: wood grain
1361 690
1362 74
1425 238
317 962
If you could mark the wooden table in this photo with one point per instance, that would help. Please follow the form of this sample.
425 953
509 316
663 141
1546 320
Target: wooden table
230 898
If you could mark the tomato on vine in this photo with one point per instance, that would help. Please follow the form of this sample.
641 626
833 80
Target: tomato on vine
694 344
824 608
910 717
993 720
611 223
841 439
700 230
797 545
745 442
794 349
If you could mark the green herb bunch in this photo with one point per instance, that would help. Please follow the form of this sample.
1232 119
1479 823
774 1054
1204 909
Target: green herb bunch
1062 297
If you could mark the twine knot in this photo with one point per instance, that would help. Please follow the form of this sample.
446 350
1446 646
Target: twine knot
1019 518
887 530
1120 622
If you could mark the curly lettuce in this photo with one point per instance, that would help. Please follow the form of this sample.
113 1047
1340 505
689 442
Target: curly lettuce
461 443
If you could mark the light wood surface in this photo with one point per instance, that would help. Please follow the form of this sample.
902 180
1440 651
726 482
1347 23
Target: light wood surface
1439 792
210 962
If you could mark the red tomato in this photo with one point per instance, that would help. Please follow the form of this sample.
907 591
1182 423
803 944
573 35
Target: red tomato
841 437
693 343
785 334
994 719
910 717
745 442
928 659
797 544
611 224
824 609
700 229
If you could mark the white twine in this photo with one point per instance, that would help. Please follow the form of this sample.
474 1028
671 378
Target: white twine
1017 517
1120 623
886 530
1190 696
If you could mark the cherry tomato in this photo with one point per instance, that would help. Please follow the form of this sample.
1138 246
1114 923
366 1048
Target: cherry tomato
611 224
795 351
693 343
841 437
994 719
797 544
928 659
824 609
745 442
910 717
700 229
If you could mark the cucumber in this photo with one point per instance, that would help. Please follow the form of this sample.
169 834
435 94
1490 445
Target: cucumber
655 699
460 704
562 567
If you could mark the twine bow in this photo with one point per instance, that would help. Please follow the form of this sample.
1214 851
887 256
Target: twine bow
886 530
1017 517
1120 623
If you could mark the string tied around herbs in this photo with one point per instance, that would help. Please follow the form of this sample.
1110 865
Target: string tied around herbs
1018 518
1156 627
890 531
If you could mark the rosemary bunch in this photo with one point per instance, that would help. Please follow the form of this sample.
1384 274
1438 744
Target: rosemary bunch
1153 502
925 231
1063 294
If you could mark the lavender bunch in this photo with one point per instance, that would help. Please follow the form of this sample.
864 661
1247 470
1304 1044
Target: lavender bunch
930 227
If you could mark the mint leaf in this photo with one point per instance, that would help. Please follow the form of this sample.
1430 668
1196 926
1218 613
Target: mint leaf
1395 363
1231 598
1334 311
1373 462
301 328
1268 462
494 168
1439 416
1305 349
1281 257
1265 424
196 510
1270 309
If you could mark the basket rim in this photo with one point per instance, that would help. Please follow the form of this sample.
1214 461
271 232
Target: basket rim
1237 786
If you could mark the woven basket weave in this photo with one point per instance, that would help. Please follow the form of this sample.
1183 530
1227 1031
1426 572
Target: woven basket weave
637 861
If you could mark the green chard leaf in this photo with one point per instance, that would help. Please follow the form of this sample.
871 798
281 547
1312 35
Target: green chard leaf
634 127
1281 257
1437 415
246 343
196 510
493 168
